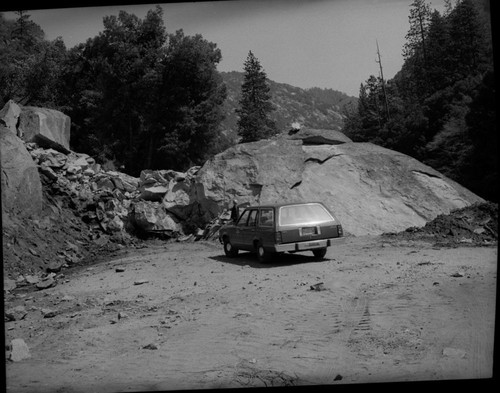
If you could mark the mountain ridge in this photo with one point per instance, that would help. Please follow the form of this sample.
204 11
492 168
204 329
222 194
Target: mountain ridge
313 107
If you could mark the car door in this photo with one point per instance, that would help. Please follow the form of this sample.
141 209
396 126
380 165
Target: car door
247 232
236 239
265 226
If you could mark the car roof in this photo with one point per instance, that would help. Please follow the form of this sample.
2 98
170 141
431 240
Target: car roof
277 205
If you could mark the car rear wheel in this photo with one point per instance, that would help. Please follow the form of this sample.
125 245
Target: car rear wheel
229 250
262 255
319 253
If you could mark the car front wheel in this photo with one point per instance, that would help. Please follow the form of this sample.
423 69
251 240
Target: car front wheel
229 250
319 253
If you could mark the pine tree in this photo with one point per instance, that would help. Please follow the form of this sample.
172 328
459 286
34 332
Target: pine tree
419 19
255 106
470 44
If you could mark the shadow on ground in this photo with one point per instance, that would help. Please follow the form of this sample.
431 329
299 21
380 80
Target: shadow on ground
285 259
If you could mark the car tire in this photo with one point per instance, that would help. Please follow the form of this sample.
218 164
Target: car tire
229 250
262 255
319 253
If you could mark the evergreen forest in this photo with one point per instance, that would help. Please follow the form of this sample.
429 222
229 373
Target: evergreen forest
142 97
440 107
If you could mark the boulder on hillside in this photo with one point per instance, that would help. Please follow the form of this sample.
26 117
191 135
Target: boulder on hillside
311 136
21 184
152 217
154 193
9 115
180 198
371 189
112 180
47 127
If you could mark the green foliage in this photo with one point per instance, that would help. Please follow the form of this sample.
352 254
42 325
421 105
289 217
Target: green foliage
29 65
255 106
195 94
441 102
145 98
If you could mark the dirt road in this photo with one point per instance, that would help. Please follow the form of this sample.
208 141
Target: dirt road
184 316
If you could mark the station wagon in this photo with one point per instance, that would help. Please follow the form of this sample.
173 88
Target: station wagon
278 228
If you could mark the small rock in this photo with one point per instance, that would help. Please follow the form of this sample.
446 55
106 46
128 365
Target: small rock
15 313
140 282
48 313
54 266
338 377
32 279
122 315
19 350
67 298
458 274
119 269
318 287
150 346
89 172
45 283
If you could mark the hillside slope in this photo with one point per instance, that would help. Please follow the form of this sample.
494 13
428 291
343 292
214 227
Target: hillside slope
313 108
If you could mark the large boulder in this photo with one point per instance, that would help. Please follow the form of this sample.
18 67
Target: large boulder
254 172
374 190
180 198
21 184
153 217
47 127
9 115
371 189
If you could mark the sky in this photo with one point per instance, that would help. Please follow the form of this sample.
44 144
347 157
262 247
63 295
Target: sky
304 43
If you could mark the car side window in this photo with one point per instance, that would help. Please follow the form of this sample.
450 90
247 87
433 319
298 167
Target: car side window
243 218
266 218
253 218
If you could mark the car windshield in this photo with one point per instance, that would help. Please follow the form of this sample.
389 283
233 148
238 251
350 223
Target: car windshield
307 214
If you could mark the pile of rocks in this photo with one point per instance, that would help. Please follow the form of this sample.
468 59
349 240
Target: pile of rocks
475 225
159 201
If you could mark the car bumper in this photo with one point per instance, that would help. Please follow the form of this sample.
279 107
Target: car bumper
308 245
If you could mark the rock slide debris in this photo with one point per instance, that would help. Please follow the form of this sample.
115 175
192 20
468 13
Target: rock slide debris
475 225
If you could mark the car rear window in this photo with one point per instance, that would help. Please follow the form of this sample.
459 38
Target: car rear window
307 214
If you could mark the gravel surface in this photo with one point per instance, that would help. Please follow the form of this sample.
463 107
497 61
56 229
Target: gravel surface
184 316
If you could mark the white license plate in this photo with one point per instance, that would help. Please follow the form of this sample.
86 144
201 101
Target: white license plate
308 245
